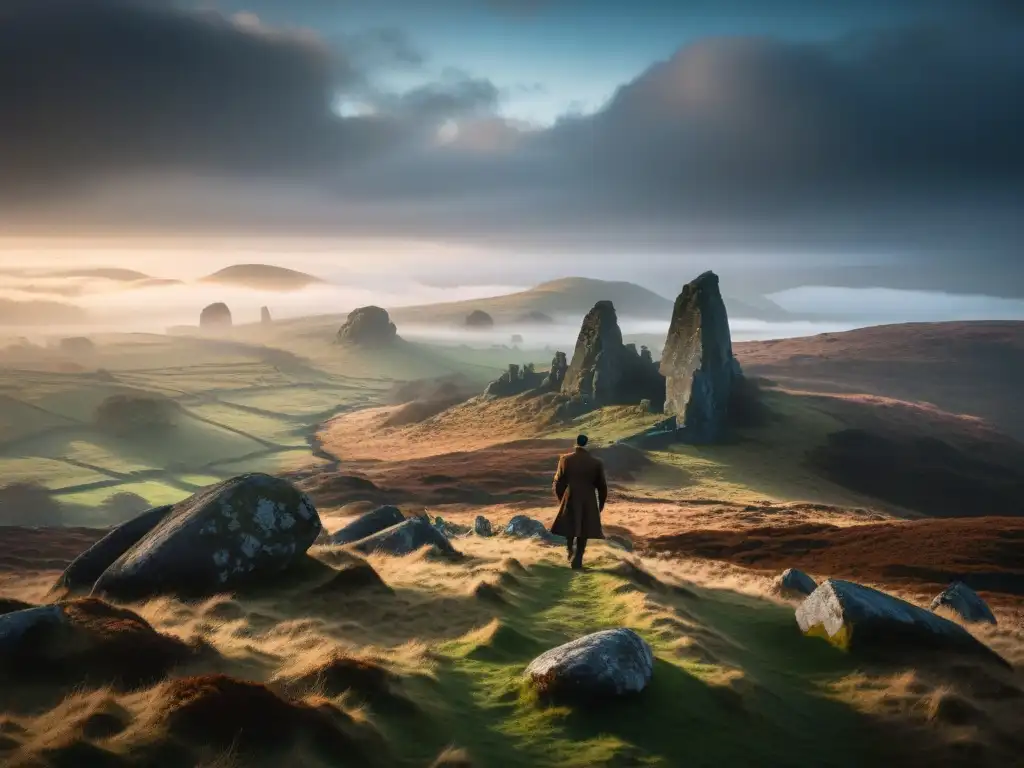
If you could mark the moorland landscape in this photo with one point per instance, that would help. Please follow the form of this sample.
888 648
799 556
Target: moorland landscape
400 629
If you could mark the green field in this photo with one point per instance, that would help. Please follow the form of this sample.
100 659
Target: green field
241 407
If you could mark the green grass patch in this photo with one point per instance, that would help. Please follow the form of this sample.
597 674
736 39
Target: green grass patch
294 402
49 473
155 492
764 701
281 431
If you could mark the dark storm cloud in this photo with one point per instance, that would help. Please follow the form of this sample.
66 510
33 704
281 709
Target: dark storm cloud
906 138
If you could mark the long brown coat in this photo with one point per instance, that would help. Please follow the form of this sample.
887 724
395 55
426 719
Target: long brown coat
582 490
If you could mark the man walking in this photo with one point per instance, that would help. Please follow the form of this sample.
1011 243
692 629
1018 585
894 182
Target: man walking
582 491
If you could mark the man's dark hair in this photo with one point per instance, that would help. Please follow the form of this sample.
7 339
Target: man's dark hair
581 440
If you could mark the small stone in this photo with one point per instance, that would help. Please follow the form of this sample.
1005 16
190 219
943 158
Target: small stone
405 538
482 526
965 603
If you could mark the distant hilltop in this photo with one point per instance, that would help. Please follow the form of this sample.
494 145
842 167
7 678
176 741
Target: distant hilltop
263 277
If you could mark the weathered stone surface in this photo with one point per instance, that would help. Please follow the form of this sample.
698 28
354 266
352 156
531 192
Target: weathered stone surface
17 625
854 617
614 662
482 526
215 316
265 316
965 603
247 527
479 319
523 527
698 363
556 374
793 582
368 327
367 525
515 381
82 572
604 371
405 538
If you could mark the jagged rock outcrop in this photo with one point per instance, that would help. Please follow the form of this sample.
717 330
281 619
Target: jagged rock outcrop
965 603
604 371
515 381
479 319
793 582
697 363
854 617
368 327
215 316
218 539
556 374
372 522
615 662
265 316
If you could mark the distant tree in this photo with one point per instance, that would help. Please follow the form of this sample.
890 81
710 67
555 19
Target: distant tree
29 504
479 319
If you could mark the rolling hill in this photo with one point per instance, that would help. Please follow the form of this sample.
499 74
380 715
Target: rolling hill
37 313
265 277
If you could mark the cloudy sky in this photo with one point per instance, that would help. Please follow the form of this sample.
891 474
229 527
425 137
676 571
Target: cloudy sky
636 136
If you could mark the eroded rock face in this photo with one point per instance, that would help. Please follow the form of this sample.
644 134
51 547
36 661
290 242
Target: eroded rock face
250 526
697 363
854 617
794 583
368 327
615 662
556 375
515 381
604 371
965 603
405 538
367 525
215 316
482 526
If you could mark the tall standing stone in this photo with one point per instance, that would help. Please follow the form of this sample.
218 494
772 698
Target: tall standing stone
596 366
265 315
697 362
215 316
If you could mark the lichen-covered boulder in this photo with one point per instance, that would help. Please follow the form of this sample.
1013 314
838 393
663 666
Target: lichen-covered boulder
248 527
523 527
698 362
367 525
793 582
85 569
965 603
482 526
614 662
215 316
405 538
854 617
368 327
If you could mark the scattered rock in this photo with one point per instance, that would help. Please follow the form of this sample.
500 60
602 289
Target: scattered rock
405 538
614 662
604 371
231 533
215 316
85 640
451 530
965 603
368 524
794 583
479 319
368 327
697 361
265 316
854 617
523 527
482 526
85 569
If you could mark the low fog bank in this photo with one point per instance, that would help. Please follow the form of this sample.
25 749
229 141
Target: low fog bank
876 306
